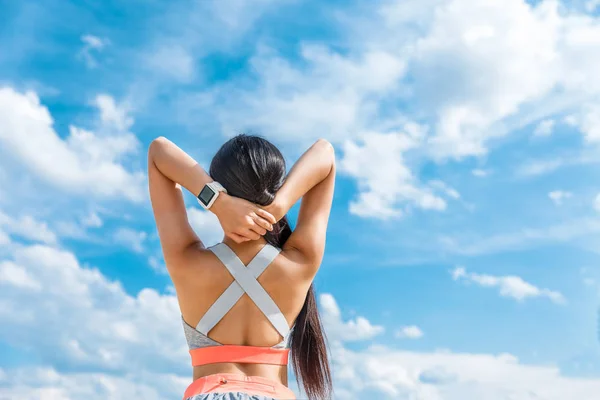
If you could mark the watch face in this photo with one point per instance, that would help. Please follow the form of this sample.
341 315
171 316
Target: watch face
206 195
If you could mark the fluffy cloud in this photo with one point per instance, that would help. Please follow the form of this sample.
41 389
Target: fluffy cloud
388 373
482 63
172 61
409 332
83 163
113 115
47 383
28 227
544 128
479 62
130 238
469 65
391 373
526 237
480 173
349 331
509 286
333 95
92 220
558 196
92 45
386 184
106 328
4 238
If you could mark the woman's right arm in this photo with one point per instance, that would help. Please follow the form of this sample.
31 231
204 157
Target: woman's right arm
312 178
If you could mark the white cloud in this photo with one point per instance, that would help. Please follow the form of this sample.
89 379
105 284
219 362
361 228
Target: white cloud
131 238
206 225
4 238
48 383
544 128
388 373
480 173
587 120
558 196
449 191
113 115
509 286
92 45
540 167
332 95
83 163
385 182
543 166
92 220
597 202
28 227
238 15
409 332
592 5
520 54
173 61
353 330
71 229
508 46
475 244
106 329
157 265
94 42
12 274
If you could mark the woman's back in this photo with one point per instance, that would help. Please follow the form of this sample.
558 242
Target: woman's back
204 280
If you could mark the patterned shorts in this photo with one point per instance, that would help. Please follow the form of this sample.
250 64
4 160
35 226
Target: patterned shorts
237 387
229 396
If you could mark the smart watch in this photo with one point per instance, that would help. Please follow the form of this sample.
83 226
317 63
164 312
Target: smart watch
209 194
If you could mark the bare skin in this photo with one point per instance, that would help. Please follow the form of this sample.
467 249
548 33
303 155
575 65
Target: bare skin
200 278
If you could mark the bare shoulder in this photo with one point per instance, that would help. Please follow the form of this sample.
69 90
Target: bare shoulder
298 264
193 262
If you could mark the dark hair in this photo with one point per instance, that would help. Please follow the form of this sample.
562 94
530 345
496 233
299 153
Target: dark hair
252 168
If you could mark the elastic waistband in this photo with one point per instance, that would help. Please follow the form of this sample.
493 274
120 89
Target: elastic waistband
226 383
239 354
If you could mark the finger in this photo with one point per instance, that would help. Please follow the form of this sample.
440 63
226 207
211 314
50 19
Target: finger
263 223
266 215
238 238
257 229
251 235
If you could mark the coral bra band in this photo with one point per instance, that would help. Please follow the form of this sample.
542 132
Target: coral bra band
239 354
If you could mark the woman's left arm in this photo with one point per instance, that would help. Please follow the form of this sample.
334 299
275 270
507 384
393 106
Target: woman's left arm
169 168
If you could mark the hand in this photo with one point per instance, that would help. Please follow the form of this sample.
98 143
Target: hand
240 219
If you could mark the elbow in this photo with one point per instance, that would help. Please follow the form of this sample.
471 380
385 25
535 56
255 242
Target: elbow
156 145
327 149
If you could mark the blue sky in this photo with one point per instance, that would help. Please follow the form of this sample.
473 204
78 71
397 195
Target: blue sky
462 255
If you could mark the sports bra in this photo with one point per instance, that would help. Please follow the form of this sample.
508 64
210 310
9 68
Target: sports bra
204 350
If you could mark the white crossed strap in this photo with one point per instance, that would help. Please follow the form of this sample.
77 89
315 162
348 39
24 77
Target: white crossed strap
244 282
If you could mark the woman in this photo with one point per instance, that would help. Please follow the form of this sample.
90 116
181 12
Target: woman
249 300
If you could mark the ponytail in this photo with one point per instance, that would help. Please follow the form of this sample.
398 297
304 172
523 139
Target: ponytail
309 351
